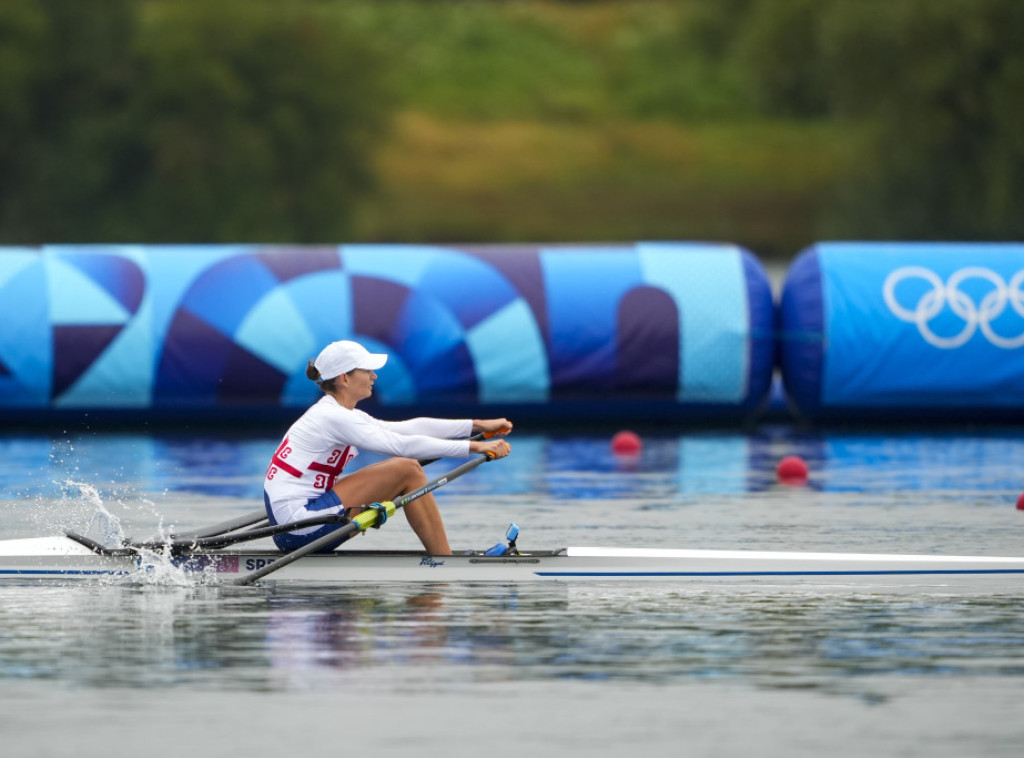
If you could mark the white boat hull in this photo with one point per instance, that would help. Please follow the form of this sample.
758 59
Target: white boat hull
61 558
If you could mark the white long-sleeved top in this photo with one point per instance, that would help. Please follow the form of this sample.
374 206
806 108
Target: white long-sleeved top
327 436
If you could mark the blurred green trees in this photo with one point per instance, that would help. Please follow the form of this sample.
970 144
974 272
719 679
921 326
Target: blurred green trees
184 121
930 96
770 123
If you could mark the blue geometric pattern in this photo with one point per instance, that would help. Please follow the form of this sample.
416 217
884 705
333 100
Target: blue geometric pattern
221 327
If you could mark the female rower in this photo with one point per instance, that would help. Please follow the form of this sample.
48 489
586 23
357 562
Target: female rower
304 477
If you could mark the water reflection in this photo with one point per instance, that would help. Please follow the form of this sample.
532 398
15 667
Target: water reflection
293 639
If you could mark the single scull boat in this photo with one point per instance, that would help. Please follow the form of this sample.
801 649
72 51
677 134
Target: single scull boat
74 558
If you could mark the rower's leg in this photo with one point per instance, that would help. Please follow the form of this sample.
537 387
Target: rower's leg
425 519
388 480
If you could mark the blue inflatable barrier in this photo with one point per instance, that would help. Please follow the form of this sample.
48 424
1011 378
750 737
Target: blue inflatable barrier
905 331
649 330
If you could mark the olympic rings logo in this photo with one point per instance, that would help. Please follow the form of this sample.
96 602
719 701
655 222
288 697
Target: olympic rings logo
975 317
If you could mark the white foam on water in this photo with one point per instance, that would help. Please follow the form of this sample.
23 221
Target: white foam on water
160 569
156 568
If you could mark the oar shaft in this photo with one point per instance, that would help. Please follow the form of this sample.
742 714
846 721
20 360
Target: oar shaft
455 473
360 523
217 541
239 522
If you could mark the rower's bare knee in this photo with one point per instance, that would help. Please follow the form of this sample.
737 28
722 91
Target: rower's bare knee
411 471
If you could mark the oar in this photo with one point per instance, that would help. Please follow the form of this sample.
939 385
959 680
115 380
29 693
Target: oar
217 541
256 517
239 522
362 522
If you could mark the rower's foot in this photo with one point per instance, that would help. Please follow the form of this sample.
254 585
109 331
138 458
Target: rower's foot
498 549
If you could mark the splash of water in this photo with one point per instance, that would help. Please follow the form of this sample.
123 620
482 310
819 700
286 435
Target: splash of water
155 567
104 527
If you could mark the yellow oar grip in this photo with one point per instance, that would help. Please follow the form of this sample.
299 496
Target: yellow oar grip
371 515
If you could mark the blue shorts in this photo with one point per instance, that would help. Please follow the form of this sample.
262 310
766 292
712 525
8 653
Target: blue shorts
314 507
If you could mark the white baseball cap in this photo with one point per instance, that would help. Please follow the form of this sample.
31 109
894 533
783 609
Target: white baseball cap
344 355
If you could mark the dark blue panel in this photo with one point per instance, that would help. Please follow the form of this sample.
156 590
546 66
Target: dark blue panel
521 267
763 344
248 380
802 332
224 294
119 276
192 364
377 307
74 350
647 343
471 289
287 263
432 344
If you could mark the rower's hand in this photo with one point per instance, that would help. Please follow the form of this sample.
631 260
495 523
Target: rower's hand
492 427
494 448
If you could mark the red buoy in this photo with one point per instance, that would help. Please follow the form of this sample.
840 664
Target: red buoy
1020 502
792 470
626 444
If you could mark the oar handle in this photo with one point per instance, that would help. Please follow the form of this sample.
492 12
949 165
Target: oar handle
360 523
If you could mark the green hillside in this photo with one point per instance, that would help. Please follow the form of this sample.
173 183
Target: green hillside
770 123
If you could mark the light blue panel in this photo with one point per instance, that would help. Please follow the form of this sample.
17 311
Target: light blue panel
471 288
505 375
299 392
25 336
121 377
217 297
13 260
919 324
426 330
275 331
395 384
75 299
171 270
294 322
324 300
707 283
426 327
583 287
404 264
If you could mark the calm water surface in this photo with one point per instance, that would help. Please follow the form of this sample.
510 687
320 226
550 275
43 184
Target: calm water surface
169 667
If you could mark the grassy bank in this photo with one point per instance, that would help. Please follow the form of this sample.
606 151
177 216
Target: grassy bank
762 185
